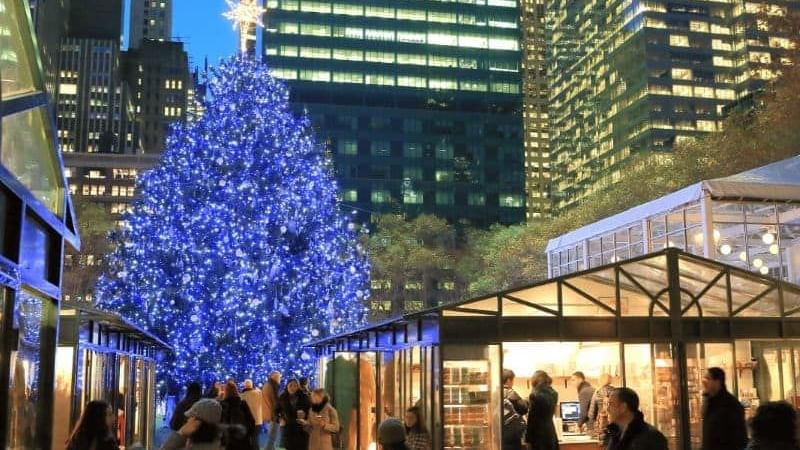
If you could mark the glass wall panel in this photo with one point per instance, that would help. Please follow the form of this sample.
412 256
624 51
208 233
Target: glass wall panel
730 241
17 56
367 401
24 373
27 151
666 391
701 357
342 384
789 247
388 388
62 406
639 376
472 397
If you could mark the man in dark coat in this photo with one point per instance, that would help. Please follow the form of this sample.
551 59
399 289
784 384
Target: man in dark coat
628 430
514 410
724 427
585 395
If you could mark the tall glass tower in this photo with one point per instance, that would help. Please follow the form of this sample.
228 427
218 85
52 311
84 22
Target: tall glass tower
418 102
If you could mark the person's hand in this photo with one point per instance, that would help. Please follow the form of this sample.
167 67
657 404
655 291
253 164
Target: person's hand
192 424
302 421
323 421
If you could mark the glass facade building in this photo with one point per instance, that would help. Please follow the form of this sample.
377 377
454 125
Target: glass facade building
36 221
419 103
636 76
750 220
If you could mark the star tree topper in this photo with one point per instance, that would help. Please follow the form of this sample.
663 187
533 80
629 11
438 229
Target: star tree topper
244 13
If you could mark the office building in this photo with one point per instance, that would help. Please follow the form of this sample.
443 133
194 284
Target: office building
97 19
535 110
632 77
158 75
150 19
50 20
418 104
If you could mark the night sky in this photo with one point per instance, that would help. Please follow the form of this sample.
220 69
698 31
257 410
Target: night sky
200 25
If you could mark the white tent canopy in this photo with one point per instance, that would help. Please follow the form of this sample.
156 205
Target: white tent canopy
779 181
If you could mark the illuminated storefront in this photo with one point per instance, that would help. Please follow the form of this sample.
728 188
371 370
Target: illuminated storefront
37 222
102 356
749 220
652 323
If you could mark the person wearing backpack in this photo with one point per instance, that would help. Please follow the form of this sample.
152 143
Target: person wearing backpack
236 412
514 410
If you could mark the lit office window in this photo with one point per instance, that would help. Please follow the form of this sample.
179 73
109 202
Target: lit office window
379 79
473 41
476 199
372 34
443 38
346 54
468 63
348 77
380 148
719 44
348 10
445 198
444 150
314 29
409 81
411 37
315 7
288 50
698 26
348 147
720 61
681 90
315 75
284 73
411 14
412 150
443 83
413 197
348 32
442 61
707 125
379 11
499 23
290 5
380 57
678 40
503 44
511 201
704 92
505 88
349 195
504 3
444 176
315 52
726 94
441 17
477 86
412 173
288 28
681 74
405 58
380 196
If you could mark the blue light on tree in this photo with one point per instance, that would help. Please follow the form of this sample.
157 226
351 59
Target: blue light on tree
236 252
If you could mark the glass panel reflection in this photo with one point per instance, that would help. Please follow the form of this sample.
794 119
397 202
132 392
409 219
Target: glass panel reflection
27 151
16 58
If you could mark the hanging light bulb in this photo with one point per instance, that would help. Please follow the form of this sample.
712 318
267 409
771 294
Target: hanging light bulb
758 262
716 235
768 238
725 249
743 256
698 238
774 249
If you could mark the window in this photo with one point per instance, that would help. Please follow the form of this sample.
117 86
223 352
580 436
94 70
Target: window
706 125
290 5
348 77
380 57
441 17
412 126
348 10
315 7
405 58
723 62
315 52
504 66
411 14
412 173
478 86
499 23
704 92
726 94
719 44
313 29
348 32
348 147
284 73
503 44
380 196
349 195
678 40
444 150
379 79
476 199
681 74
414 82
698 26
442 61
412 150
378 35
473 41
287 28
445 198
681 90
443 38
380 11
760 57
346 54
380 148
443 83
468 63
506 88
411 37
444 176
412 197
511 201
315 75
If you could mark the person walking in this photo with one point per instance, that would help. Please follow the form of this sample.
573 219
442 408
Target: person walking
269 397
214 390
252 397
392 434
774 427
628 430
304 386
323 423
94 428
193 393
292 410
417 435
201 430
585 395
541 431
598 408
235 412
514 410
724 427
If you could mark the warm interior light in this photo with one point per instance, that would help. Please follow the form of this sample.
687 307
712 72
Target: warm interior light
716 235
758 262
774 249
698 238
768 238
725 249
764 270
743 256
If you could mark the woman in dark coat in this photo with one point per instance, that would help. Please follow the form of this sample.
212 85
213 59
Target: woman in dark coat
194 392
93 430
236 413
292 411
541 434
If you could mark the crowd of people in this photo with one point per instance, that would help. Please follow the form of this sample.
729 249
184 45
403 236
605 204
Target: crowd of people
613 415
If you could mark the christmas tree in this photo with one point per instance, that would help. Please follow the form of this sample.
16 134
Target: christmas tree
236 252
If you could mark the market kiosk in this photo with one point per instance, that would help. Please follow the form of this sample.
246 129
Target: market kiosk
652 323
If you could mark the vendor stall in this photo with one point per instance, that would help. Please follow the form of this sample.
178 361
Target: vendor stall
652 323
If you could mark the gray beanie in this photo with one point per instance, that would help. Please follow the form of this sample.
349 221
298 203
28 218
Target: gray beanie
391 431
208 410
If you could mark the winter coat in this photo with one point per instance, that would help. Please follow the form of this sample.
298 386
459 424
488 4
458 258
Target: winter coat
541 433
585 396
175 441
638 436
236 412
319 437
179 415
253 399
598 400
724 427
513 405
294 436
269 396
767 445
416 440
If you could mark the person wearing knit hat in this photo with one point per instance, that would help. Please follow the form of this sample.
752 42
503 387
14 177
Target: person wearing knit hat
392 434
202 428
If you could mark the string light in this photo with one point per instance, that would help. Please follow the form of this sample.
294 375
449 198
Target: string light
243 14
237 253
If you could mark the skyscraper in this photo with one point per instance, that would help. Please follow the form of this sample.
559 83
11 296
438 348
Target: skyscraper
627 77
97 19
535 111
419 104
150 19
